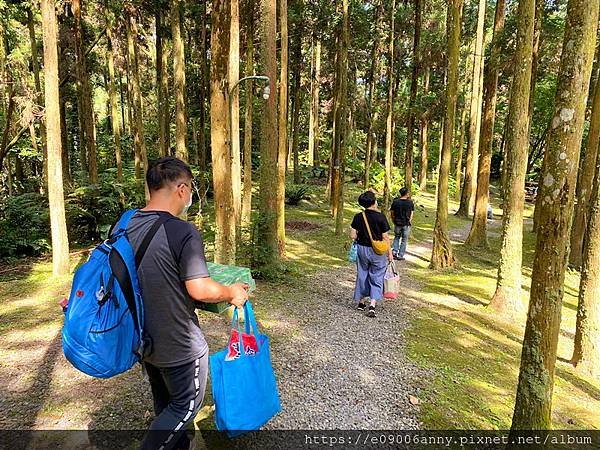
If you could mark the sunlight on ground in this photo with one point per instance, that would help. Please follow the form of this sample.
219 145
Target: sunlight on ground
473 356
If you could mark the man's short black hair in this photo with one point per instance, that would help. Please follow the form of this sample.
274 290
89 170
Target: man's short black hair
166 170
366 199
403 192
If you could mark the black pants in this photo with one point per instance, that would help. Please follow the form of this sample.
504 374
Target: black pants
178 393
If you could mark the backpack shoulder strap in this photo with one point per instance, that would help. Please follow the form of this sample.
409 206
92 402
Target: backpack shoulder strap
367 225
122 273
123 221
139 255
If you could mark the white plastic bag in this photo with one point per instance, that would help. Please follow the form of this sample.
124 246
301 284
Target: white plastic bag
391 281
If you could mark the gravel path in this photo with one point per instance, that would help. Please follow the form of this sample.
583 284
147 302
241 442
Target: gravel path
341 369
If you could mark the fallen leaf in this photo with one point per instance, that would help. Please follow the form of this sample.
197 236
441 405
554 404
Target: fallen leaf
414 400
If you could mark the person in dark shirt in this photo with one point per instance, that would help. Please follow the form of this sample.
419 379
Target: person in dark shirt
173 275
370 266
402 213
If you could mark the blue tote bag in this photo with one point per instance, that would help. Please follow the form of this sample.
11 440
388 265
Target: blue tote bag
244 389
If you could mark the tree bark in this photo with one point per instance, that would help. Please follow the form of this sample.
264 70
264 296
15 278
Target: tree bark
112 93
234 75
470 180
202 94
225 241
537 31
247 193
461 148
424 137
533 405
408 163
181 150
39 93
478 234
340 127
58 227
10 109
282 127
139 143
507 298
313 120
86 112
584 185
162 86
64 139
297 99
586 351
442 255
373 116
389 156
267 224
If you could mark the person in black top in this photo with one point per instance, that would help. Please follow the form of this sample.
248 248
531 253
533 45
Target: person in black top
402 213
371 266
172 277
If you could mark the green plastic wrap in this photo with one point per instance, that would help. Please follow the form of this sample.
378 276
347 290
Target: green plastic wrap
227 275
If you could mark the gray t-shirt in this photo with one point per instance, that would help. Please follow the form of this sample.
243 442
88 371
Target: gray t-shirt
176 254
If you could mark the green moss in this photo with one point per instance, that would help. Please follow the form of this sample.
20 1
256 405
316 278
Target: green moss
475 356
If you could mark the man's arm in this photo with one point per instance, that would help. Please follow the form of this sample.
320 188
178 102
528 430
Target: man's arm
208 290
353 234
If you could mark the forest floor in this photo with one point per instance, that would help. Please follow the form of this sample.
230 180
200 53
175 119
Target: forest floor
433 359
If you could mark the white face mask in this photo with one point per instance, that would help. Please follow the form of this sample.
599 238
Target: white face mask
187 206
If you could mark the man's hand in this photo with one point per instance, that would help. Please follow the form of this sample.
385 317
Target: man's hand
390 256
239 294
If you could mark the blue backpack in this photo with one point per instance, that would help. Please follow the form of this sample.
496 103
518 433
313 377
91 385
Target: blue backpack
104 319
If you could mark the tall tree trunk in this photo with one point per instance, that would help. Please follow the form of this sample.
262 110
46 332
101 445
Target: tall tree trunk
408 162
282 127
313 120
58 227
64 139
139 143
234 75
340 127
202 94
38 88
374 72
478 234
537 31
112 93
424 137
3 54
181 150
533 405
225 242
86 112
10 109
123 123
442 255
507 298
389 156
267 224
297 99
586 351
585 182
461 147
247 193
470 180
539 12
162 86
